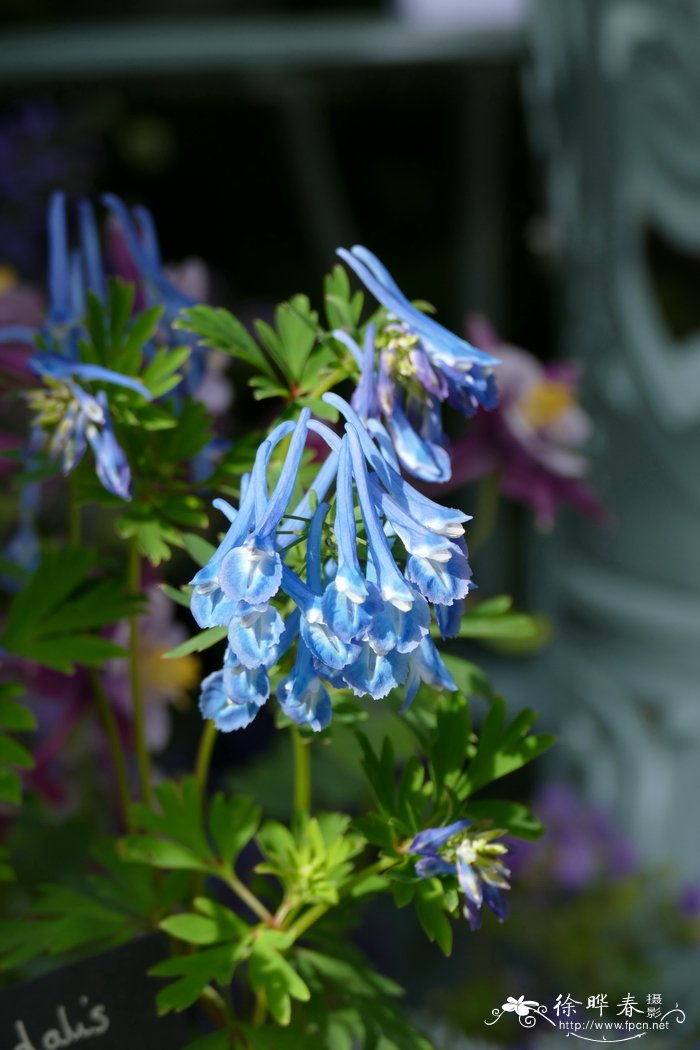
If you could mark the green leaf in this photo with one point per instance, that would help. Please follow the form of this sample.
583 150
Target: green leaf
233 822
514 817
274 347
449 750
13 755
194 929
495 621
198 643
343 309
200 550
271 974
13 715
297 325
114 905
120 302
48 619
162 375
430 900
142 329
380 770
180 595
220 330
160 853
470 679
502 749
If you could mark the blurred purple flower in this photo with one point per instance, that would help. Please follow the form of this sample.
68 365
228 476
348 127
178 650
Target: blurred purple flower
689 900
581 845
534 438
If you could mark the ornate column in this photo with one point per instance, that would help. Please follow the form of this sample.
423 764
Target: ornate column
615 100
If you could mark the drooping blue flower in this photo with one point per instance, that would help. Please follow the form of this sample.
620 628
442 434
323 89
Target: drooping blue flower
472 855
232 697
302 695
362 602
67 420
409 368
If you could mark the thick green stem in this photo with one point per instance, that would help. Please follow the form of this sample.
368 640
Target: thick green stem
111 729
204 753
486 513
302 774
143 758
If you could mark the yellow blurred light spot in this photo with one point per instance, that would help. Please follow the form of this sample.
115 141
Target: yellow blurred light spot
169 679
546 402
8 279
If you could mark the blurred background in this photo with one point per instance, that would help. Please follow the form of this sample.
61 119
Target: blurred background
538 163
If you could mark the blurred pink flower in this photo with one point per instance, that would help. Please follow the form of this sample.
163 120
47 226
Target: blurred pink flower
534 438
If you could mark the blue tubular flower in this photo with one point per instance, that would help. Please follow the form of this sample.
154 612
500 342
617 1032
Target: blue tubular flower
54 366
472 855
252 571
139 232
232 697
442 347
302 696
421 364
414 436
110 462
254 634
349 580
73 419
361 619
443 520
392 585
215 705
210 605
60 312
426 665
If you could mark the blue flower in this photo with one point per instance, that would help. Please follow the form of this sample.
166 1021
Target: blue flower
67 419
420 365
302 695
362 600
141 238
471 854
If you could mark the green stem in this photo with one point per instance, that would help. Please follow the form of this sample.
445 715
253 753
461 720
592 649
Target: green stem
249 898
485 516
216 1007
109 724
260 1011
143 757
302 774
204 753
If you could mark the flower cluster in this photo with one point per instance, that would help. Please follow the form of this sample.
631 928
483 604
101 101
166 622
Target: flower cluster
73 272
470 853
361 618
420 365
